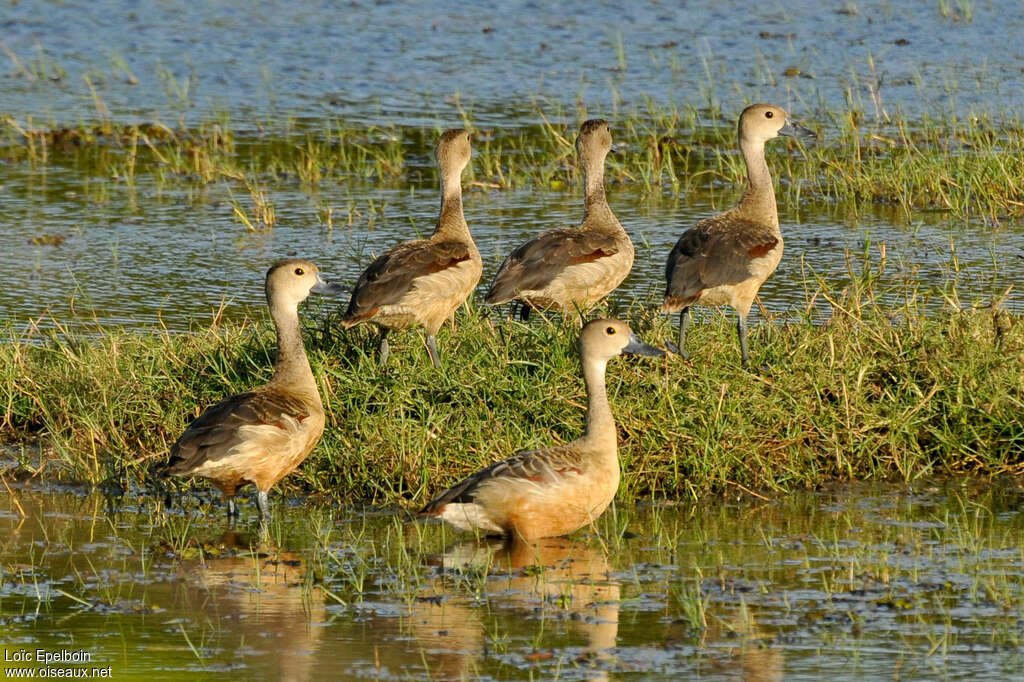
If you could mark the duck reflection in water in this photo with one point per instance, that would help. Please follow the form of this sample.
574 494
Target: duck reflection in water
255 592
553 579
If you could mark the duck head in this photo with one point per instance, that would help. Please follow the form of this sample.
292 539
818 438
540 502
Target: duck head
453 152
604 339
762 122
291 281
594 142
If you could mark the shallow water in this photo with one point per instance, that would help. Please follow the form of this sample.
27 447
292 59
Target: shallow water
421 62
167 253
850 583
172 259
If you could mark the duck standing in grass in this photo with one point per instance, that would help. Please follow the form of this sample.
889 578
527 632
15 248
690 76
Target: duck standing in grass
571 269
724 260
261 436
422 282
544 493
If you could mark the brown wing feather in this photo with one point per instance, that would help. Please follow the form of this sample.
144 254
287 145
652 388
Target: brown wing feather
394 273
714 252
213 434
533 465
537 262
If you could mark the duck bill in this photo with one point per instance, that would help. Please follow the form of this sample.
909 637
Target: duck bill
325 288
793 129
638 347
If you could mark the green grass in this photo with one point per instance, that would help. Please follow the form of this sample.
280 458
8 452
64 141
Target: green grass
851 388
969 166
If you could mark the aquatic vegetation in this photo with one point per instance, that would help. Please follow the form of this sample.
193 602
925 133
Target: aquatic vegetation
966 165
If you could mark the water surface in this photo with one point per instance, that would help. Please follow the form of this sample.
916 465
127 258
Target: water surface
418 62
169 253
174 259
851 583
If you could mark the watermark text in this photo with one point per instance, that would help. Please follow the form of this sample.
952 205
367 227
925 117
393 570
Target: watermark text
51 663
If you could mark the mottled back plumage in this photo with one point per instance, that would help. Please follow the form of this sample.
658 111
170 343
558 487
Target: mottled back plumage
535 264
539 466
717 251
214 434
395 273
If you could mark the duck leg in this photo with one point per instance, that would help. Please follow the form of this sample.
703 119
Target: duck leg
263 503
435 357
741 329
684 320
383 348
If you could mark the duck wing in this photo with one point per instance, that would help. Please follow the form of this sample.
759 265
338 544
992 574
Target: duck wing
539 261
395 272
714 252
538 466
244 419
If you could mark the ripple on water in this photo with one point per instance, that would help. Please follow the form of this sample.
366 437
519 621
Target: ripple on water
162 256
847 589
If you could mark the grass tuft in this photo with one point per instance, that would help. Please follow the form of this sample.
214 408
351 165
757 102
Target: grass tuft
969 166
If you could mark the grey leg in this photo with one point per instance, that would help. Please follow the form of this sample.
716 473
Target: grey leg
264 504
741 329
383 347
684 320
432 349
232 508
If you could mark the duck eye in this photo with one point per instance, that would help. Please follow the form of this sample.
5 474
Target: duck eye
768 114
610 330
300 272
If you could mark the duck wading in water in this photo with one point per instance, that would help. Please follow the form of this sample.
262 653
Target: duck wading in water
544 493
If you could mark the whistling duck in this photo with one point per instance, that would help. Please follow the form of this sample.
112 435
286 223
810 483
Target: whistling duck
422 282
543 493
261 436
571 269
724 259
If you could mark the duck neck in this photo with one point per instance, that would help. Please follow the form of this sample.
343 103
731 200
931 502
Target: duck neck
292 370
450 221
594 201
759 197
600 423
